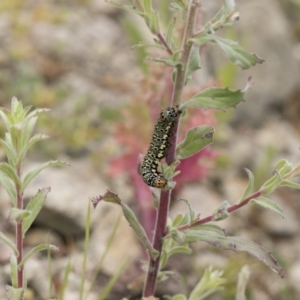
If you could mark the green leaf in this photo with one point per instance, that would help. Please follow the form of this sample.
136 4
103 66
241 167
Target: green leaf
232 50
40 247
223 16
64 283
267 203
221 213
236 244
146 44
210 282
28 145
28 127
31 175
167 61
177 221
112 281
295 172
209 227
4 114
249 186
9 243
189 216
216 98
131 218
17 109
177 235
182 249
243 278
283 167
13 271
10 188
290 184
15 293
10 172
179 297
271 184
9 149
194 62
169 170
36 112
34 206
129 8
18 214
169 35
196 139
138 230
181 7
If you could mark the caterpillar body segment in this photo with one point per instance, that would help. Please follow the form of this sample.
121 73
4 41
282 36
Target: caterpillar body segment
158 147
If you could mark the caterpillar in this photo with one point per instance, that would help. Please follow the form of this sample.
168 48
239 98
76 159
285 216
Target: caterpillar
158 147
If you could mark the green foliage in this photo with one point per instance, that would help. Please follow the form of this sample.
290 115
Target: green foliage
19 138
188 227
131 218
210 283
215 98
196 139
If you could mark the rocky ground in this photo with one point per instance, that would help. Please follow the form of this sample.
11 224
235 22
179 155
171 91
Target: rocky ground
75 57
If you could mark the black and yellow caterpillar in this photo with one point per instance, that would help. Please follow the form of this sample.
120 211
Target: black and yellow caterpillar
158 147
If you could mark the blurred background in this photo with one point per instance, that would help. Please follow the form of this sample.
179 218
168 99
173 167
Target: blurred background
76 58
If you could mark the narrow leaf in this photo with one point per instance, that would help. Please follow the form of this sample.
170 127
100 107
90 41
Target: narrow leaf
14 293
196 139
236 244
36 249
13 271
65 280
10 172
249 186
271 184
179 297
129 8
267 203
131 218
210 282
209 227
34 206
28 127
243 278
290 184
189 216
35 138
18 214
167 61
9 187
31 175
4 115
138 230
112 282
170 31
9 242
194 62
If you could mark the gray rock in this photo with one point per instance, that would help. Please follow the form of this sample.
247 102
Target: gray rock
264 30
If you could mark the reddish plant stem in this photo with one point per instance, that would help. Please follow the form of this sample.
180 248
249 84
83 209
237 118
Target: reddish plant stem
165 196
230 209
164 42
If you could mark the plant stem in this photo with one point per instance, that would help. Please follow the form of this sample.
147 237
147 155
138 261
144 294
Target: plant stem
165 196
230 209
19 237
